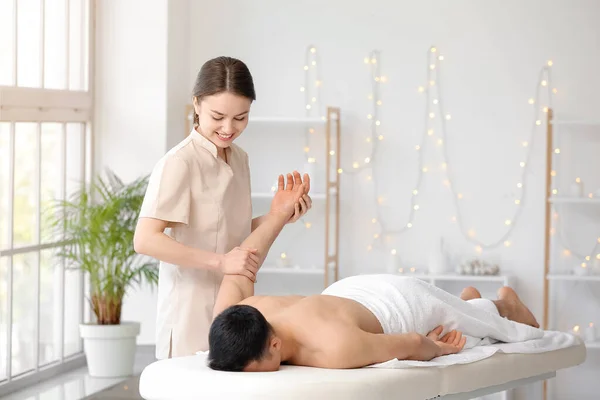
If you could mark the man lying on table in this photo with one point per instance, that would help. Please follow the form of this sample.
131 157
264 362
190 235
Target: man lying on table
355 322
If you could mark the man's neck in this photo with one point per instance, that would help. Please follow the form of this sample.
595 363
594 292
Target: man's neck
289 345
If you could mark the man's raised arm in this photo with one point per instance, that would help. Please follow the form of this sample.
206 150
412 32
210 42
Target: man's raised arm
235 288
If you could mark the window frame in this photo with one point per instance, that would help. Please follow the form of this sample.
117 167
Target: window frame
40 105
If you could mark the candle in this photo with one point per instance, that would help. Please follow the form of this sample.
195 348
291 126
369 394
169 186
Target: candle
283 261
576 188
576 331
590 333
581 269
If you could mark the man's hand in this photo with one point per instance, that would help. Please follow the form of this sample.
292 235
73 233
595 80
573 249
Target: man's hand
288 197
451 343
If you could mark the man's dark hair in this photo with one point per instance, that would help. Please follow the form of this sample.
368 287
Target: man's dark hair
238 336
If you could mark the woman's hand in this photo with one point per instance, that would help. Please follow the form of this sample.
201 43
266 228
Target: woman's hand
240 261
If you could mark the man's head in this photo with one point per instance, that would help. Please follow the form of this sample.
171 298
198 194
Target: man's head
241 339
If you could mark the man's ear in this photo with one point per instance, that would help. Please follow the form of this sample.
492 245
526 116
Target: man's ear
276 343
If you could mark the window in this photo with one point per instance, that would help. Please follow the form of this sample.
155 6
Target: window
45 154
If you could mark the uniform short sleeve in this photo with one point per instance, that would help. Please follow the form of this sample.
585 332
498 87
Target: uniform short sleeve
168 194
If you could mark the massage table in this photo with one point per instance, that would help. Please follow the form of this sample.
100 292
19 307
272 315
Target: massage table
189 378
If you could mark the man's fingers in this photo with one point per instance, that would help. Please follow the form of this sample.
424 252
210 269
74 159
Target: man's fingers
463 341
306 183
297 179
290 182
280 182
458 338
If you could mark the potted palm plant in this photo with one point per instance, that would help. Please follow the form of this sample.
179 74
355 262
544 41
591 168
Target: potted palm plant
97 225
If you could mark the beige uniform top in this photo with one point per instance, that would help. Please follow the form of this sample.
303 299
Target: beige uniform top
207 202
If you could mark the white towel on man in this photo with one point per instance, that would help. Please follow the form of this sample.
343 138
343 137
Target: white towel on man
406 304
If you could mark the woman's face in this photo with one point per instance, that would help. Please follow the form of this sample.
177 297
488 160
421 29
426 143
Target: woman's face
222 117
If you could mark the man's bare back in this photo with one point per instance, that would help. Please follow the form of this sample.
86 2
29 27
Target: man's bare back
316 323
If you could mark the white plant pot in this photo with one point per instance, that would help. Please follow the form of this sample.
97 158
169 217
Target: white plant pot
110 349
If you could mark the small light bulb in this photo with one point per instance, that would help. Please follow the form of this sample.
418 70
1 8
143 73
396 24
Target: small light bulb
393 252
273 189
369 177
377 79
567 252
409 225
506 243
340 171
544 83
554 90
368 139
517 201
306 67
478 249
376 236
545 109
366 60
448 117
439 142
435 101
557 151
522 164
332 153
380 200
355 165
431 83
525 144
415 192
598 256
314 63
302 88
308 107
553 173
444 165
312 49
587 258
421 89
599 240
369 248
519 185
379 102
373 61
384 79
531 101
441 58
283 255
432 66
370 97
306 149
453 219
314 99
578 180
312 160
412 269
367 160
311 130
583 265
424 169
554 191
576 328
433 49
377 123
416 207
460 196
507 222
471 233
431 115
550 63
380 137
430 132
369 116
374 220
591 195
318 83
308 225
538 122
417 147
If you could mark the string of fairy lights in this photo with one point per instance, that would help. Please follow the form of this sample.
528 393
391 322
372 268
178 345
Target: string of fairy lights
435 127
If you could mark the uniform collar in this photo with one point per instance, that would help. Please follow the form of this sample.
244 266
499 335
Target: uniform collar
207 144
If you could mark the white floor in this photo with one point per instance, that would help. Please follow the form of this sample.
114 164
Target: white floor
78 384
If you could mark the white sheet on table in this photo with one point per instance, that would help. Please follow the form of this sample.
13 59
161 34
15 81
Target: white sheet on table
552 340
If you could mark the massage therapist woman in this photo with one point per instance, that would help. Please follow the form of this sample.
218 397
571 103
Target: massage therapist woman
197 210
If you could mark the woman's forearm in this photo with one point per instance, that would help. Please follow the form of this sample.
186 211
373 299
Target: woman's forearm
162 247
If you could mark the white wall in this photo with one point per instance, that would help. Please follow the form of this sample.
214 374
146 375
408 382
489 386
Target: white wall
493 53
